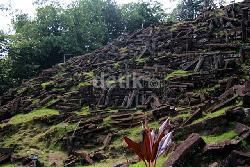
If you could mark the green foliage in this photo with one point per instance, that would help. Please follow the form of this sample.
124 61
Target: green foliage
57 132
190 9
136 15
6 80
22 118
221 137
212 115
160 162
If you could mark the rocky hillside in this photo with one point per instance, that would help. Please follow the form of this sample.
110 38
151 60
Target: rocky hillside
194 72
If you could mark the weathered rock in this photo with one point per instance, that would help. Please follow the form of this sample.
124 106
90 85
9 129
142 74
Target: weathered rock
5 154
164 111
121 165
107 140
225 147
187 149
207 124
236 114
215 164
246 100
237 158
196 115
98 156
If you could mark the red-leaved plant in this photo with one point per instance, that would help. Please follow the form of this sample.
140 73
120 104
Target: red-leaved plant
152 144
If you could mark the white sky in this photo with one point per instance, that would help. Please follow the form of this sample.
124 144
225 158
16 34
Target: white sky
27 7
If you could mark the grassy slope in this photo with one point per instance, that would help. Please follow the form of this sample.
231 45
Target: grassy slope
22 118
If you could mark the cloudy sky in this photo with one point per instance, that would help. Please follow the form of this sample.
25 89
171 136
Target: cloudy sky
27 7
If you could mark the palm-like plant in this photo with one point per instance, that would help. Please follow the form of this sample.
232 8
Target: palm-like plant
152 145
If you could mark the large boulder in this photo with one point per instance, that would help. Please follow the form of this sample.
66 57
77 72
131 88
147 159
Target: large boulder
187 149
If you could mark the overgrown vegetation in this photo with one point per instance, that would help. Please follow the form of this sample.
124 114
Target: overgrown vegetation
212 115
220 137
22 118
83 26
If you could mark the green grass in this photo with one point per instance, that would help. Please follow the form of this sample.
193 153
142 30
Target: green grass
159 163
177 73
133 133
22 118
221 137
36 139
212 115
56 132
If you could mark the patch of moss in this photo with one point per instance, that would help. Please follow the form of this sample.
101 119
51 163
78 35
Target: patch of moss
37 139
123 50
84 111
116 65
221 137
89 75
58 89
107 121
55 133
53 101
21 90
22 118
34 101
176 73
45 84
140 61
83 84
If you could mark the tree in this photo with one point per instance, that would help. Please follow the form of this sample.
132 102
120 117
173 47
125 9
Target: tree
86 28
113 19
190 9
142 14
